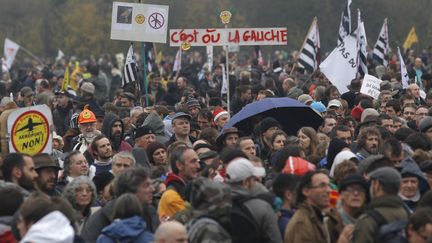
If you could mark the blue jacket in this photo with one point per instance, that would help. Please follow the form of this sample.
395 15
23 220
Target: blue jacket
133 229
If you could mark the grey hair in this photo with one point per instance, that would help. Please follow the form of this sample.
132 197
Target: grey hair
136 108
126 155
69 192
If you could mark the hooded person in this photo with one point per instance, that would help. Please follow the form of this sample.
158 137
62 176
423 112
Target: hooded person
413 183
113 128
211 203
155 122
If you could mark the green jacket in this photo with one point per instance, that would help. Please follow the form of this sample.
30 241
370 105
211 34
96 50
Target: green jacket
392 209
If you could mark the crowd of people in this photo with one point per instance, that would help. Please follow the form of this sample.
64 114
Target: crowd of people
170 170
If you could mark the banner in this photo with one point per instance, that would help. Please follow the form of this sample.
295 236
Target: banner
223 37
410 39
371 86
10 51
340 66
139 22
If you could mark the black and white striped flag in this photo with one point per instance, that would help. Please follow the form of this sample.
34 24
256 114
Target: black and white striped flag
309 54
362 47
130 69
345 24
381 49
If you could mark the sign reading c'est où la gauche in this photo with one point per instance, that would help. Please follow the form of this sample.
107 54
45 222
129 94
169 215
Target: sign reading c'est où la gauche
29 130
223 37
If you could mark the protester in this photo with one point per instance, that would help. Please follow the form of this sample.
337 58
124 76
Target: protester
20 170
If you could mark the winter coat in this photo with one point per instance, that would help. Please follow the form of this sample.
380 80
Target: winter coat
172 200
307 225
133 229
263 214
390 207
42 230
61 119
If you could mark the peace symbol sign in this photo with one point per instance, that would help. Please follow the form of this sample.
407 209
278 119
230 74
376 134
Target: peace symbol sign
156 20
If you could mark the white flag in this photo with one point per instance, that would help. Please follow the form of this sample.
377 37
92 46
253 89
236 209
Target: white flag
224 88
60 55
210 57
404 73
10 51
340 66
177 61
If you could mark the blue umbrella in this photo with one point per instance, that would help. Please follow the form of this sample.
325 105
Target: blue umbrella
290 113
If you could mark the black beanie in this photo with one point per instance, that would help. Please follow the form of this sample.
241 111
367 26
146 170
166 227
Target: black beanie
102 179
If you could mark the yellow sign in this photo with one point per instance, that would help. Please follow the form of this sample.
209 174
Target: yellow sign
30 133
139 18
185 46
225 16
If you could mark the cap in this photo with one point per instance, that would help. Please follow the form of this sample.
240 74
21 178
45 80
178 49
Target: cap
318 106
26 91
192 102
268 123
241 169
425 124
101 180
351 180
297 166
88 87
334 103
180 114
305 98
386 175
218 113
143 130
368 112
129 96
86 116
44 161
208 155
356 112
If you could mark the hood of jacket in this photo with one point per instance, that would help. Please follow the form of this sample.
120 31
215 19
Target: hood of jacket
125 229
42 230
108 122
155 122
410 168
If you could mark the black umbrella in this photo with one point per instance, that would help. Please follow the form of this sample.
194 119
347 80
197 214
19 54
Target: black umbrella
290 113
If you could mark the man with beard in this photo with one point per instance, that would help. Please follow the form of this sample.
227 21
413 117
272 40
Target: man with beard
19 169
87 127
113 129
369 142
102 152
47 170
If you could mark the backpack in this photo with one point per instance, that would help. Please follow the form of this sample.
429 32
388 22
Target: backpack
393 232
245 229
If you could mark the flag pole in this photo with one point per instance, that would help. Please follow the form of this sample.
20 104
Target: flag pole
143 46
227 74
358 41
304 42
31 54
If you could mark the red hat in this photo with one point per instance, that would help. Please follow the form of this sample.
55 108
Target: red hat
218 113
297 166
357 112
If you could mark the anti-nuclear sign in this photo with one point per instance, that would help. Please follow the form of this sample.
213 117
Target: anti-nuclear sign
139 22
29 130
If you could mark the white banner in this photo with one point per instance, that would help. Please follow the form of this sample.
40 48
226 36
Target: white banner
371 86
139 22
223 37
10 51
340 66
209 51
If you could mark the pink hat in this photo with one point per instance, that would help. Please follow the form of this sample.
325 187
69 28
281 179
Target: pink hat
218 113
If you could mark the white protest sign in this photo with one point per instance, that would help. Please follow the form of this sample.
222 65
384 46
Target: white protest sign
340 66
371 86
231 37
139 22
